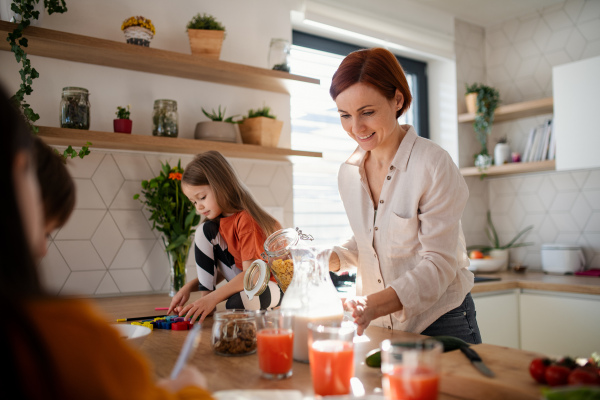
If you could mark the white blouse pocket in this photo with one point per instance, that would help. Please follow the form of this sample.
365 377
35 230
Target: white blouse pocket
404 233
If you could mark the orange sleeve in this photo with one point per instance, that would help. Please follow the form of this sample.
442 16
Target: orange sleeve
251 238
92 360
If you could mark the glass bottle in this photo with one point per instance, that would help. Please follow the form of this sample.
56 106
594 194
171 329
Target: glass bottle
165 118
279 54
75 108
311 296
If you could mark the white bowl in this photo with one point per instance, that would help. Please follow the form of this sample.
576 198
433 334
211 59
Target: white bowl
134 334
487 264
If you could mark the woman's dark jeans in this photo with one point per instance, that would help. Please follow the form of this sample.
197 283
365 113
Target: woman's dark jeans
460 323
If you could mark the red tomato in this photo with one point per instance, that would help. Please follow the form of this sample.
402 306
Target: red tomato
537 369
582 376
475 255
557 375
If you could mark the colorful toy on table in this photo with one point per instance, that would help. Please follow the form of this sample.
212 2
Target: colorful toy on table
167 322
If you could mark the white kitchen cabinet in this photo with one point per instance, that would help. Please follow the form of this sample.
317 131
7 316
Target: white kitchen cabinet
576 102
498 317
558 323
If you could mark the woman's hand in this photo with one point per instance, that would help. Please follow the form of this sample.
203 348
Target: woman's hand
200 308
365 309
179 300
189 376
361 312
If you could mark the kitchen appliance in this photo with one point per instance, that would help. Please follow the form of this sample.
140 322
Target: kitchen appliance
562 258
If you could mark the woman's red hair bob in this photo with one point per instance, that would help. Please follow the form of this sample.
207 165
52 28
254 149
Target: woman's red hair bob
377 67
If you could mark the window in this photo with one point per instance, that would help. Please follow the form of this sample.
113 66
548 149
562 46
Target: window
318 209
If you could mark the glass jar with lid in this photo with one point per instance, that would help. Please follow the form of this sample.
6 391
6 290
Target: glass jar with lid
165 118
279 54
75 108
279 262
234 332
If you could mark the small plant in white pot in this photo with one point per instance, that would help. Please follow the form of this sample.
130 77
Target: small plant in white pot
502 152
496 251
219 128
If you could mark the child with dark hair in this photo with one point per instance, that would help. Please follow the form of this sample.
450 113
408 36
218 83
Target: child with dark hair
58 348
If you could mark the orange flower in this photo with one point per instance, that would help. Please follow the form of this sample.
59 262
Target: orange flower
176 176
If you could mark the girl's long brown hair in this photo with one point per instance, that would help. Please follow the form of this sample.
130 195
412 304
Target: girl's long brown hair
377 67
212 169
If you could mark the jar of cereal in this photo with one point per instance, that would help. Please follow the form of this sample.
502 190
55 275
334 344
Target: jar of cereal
279 262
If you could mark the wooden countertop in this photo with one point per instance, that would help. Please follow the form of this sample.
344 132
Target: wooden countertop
459 379
537 280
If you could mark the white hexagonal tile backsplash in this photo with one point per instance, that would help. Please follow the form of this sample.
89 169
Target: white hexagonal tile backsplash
108 247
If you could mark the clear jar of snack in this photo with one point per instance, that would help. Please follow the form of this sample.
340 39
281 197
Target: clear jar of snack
279 262
234 333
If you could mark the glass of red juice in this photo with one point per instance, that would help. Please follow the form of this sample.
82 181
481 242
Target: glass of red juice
275 343
411 369
331 356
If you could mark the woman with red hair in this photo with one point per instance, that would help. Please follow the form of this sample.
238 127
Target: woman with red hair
404 198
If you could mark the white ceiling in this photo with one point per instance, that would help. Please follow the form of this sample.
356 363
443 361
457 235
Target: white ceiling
488 12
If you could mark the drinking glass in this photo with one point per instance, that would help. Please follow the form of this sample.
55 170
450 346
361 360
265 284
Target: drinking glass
275 341
331 356
411 369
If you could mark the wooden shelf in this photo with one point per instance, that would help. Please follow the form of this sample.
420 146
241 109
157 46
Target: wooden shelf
516 110
110 140
511 168
109 53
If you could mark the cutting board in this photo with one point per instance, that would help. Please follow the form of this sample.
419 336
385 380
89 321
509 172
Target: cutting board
511 366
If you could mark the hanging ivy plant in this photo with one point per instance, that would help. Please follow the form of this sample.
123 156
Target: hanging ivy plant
487 102
25 12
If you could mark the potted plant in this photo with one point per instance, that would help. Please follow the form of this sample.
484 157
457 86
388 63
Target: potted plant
487 102
219 128
502 152
122 124
206 35
138 30
496 250
261 128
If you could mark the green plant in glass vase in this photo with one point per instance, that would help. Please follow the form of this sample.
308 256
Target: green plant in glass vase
488 99
174 216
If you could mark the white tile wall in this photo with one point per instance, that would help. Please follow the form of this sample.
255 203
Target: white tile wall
517 58
108 246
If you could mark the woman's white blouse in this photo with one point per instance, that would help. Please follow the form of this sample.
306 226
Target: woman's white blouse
416 244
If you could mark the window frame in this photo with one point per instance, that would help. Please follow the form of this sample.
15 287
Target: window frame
414 67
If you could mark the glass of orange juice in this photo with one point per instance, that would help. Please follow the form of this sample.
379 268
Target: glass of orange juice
411 369
275 343
331 356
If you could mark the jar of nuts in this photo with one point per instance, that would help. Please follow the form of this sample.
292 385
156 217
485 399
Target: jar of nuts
279 262
234 333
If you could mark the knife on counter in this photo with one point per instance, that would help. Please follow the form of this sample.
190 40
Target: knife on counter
476 361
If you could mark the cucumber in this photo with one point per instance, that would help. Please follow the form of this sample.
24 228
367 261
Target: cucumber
373 358
449 343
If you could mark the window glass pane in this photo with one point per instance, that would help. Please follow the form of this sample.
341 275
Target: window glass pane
318 209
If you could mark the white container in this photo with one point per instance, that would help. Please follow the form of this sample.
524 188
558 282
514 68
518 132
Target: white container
562 258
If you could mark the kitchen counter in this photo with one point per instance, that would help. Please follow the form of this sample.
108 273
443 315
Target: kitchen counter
459 379
537 280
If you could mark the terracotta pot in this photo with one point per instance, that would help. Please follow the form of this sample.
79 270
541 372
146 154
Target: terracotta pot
471 101
262 131
206 43
122 125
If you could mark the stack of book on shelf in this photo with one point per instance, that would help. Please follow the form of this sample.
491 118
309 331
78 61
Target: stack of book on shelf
541 143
